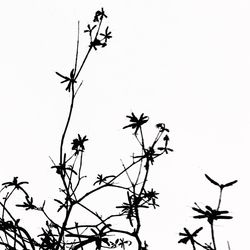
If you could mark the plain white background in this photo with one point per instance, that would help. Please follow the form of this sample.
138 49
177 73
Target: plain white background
185 63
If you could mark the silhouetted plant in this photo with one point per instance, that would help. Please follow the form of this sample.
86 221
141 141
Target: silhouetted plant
211 215
103 232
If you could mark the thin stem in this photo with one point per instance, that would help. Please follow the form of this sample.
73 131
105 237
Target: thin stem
139 198
199 244
83 62
127 173
71 173
6 199
212 234
78 88
77 45
78 233
193 244
90 211
49 219
90 48
220 197
142 139
139 173
64 226
145 180
108 183
67 123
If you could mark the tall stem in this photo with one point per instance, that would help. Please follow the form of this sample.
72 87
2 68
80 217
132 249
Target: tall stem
67 123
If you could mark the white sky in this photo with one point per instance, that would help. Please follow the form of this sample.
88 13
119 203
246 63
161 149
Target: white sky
185 63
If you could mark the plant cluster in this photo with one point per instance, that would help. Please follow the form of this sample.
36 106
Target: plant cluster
104 231
119 229
211 215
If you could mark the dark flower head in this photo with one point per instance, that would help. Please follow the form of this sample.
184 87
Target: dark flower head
161 127
14 183
17 185
189 236
150 154
136 123
28 204
99 15
106 35
210 214
71 79
61 168
97 43
151 197
129 208
152 194
78 144
89 29
122 243
103 179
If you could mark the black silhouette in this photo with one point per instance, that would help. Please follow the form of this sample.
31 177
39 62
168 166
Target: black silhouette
103 231
119 229
211 215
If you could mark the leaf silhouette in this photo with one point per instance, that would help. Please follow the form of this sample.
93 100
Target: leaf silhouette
230 183
212 181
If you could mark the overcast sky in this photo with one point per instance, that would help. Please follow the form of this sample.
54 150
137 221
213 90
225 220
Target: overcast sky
184 63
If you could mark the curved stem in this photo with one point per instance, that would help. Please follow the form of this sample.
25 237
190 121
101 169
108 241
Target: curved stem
67 123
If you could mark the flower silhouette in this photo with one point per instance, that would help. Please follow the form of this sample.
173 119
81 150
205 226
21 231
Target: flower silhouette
71 80
99 15
129 208
102 179
189 236
15 184
89 29
97 43
78 144
151 196
136 123
106 35
149 154
210 214
161 127
28 204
